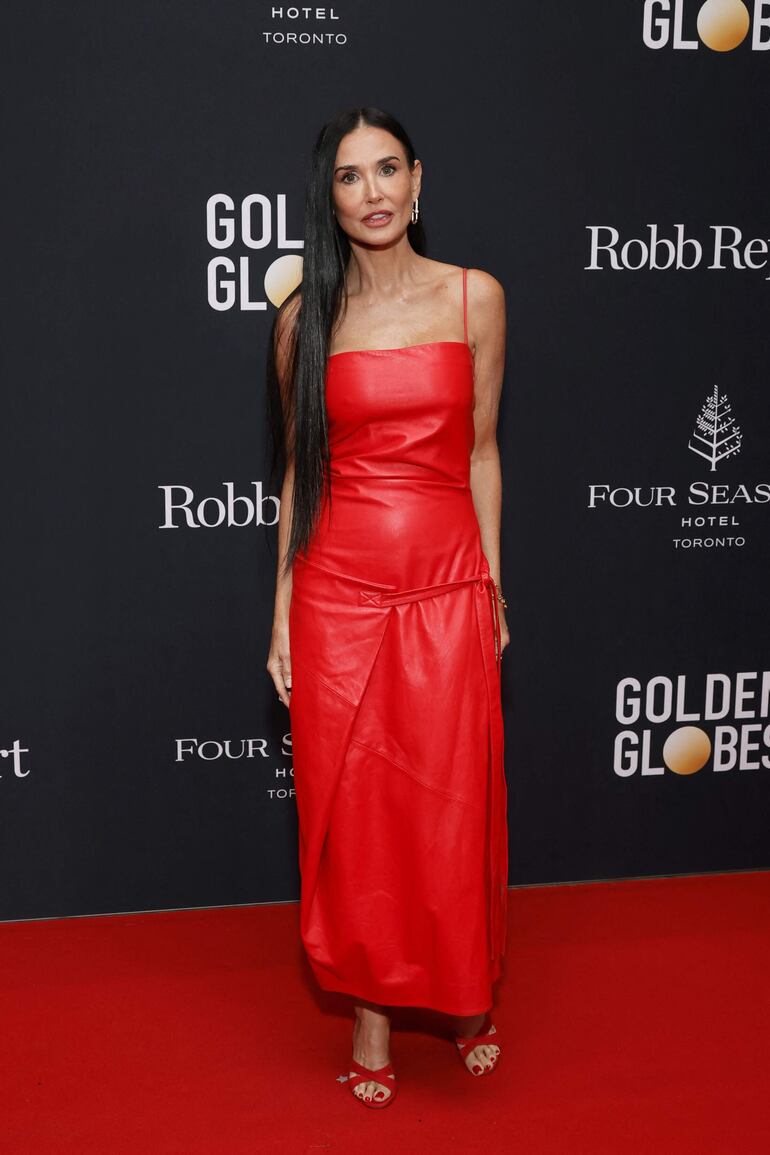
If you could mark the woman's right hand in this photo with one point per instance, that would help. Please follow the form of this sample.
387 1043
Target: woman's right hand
279 660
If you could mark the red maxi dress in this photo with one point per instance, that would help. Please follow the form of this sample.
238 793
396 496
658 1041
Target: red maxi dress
396 719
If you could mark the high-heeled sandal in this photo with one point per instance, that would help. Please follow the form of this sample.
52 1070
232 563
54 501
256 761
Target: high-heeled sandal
465 1045
365 1075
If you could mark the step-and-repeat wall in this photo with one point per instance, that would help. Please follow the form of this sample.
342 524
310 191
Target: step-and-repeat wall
608 164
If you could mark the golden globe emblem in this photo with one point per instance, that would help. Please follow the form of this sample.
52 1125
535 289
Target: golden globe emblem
283 275
723 24
687 750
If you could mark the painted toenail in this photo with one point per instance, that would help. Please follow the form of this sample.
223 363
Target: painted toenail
477 1069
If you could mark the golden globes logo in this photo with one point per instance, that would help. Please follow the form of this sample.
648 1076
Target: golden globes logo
722 25
670 726
254 225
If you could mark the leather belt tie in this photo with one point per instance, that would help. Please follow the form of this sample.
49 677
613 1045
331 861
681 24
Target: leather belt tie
497 789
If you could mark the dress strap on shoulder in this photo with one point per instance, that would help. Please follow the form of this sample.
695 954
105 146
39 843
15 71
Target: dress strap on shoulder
465 304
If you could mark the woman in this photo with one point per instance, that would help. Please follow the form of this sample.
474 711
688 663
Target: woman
384 377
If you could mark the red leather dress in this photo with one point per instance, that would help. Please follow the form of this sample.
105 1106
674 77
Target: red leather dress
396 719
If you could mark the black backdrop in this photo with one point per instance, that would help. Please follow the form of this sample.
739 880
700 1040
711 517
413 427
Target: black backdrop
145 760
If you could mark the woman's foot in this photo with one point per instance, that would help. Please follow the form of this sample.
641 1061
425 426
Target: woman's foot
371 1048
481 1058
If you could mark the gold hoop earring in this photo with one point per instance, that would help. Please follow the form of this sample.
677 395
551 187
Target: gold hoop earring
416 211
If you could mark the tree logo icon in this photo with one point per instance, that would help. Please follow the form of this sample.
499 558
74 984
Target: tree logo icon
715 432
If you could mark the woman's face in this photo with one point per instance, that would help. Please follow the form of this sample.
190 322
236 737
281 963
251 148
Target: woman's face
371 176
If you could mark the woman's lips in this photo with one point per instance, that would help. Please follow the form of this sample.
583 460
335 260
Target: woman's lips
378 221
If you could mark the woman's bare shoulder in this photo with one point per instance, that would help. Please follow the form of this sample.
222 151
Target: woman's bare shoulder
486 314
485 288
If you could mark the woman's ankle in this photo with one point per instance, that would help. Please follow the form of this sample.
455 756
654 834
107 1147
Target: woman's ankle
469 1025
368 1014
372 1025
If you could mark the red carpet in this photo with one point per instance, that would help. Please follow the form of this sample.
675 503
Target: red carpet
634 1017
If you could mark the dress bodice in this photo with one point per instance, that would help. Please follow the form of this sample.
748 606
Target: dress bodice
400 433
402 413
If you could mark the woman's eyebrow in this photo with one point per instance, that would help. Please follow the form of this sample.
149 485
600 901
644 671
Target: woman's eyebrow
380 161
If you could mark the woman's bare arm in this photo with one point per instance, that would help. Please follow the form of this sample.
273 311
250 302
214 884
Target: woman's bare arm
486 310
279 658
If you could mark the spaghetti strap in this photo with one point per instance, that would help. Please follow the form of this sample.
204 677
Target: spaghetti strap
465 304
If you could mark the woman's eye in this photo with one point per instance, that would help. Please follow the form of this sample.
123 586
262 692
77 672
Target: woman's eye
344 180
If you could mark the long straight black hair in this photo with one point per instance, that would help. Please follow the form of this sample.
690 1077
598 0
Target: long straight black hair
296 408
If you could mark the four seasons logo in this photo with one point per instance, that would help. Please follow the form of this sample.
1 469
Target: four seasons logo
716 437
717 434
